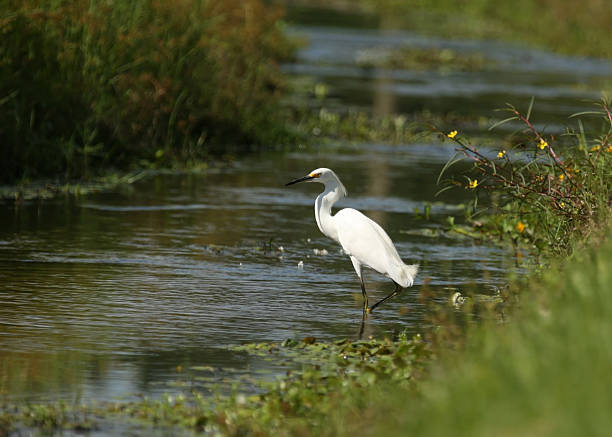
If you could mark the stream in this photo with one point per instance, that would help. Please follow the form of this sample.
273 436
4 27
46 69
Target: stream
121 294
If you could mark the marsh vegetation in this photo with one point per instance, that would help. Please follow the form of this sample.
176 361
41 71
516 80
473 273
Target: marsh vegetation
148 299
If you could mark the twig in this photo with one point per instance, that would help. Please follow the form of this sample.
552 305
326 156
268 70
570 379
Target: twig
539 137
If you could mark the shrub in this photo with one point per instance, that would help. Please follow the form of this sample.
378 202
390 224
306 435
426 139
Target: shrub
88 84
545 188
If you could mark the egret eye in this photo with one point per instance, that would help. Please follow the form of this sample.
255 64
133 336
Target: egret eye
315 175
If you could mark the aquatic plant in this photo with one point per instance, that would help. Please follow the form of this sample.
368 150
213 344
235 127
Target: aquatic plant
331 374
352 125
419 59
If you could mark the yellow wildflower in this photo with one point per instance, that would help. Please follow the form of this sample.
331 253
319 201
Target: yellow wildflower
562 204
543 144
595 148
520 226
473 184
501 154
453 134
561 176
609 149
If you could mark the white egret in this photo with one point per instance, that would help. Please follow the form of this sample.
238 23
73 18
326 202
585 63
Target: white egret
363 240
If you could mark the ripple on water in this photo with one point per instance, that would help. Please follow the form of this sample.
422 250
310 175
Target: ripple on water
109 293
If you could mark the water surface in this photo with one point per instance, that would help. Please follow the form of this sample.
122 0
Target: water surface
106 295
123 293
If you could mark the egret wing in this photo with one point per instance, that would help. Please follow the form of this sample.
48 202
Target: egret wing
365 240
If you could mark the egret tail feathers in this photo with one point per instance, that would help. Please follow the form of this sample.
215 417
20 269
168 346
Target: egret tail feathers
408 274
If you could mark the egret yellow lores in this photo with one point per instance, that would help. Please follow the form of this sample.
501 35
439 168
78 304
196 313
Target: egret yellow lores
361 238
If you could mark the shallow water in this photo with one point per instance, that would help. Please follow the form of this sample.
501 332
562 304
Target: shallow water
120 294
107 295
560 85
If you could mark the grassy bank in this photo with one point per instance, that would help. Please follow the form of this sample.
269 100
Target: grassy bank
544 373
89 85
562 26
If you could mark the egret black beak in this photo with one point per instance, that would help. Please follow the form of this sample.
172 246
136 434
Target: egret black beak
305 178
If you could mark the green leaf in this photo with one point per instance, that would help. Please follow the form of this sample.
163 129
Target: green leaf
448 164
530 107
578 114
443 190
506 120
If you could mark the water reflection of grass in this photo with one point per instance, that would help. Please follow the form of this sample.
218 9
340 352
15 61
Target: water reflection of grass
42 372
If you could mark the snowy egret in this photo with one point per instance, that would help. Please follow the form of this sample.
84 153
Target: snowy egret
363 240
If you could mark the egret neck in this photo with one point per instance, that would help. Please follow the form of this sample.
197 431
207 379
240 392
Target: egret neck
323 213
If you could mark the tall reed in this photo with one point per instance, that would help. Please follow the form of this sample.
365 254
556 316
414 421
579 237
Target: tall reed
86 84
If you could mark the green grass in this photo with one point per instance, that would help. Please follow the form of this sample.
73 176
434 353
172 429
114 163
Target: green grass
546 372
89 85
566 26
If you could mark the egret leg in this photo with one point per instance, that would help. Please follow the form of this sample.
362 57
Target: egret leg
395 293
365 295
359 271
362 326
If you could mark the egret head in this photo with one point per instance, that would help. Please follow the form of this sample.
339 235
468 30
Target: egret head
324 176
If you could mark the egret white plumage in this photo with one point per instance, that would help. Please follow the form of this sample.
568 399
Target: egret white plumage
363 240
